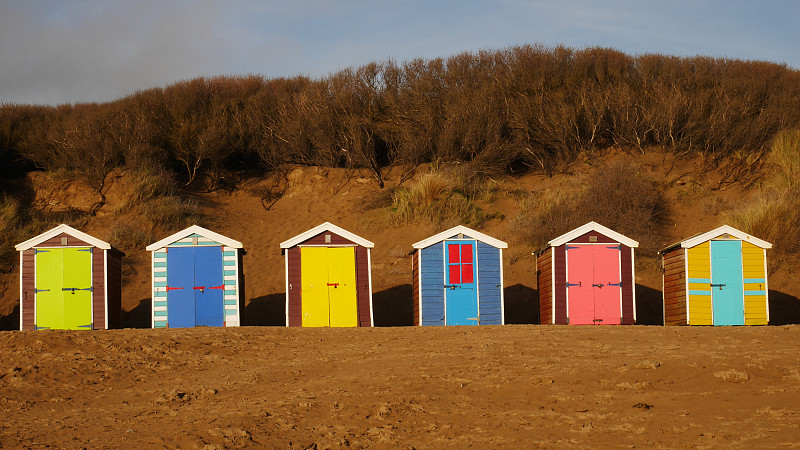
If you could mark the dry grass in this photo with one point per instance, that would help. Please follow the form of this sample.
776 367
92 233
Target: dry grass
443 197
773 214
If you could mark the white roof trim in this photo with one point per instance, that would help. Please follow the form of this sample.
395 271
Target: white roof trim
194 229
327 226
464 230
593 226
62 229
700 238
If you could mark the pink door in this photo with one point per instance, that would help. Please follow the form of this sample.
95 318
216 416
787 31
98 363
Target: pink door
580 276
593 284
607 287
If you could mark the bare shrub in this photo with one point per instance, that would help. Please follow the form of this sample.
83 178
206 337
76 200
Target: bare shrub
618 195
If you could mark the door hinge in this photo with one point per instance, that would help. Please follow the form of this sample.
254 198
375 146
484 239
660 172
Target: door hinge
36 291
614 284
568 284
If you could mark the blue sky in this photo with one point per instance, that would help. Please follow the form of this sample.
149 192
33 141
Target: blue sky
54 52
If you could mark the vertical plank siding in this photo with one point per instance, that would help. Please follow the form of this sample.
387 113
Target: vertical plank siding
432 281
415 286
28 274
544 283
490 285
295 292
98 289
674 287
560 275
628 285
363 293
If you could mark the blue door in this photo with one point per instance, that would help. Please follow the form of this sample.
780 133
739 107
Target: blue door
727 288
209 287
180 287
194 287
461 293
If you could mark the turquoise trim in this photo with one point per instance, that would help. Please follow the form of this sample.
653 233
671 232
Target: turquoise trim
160 254
160 303
755 292
754 280
230 312
160 313
160 284
699 280
199 244
160 264
693 292
160 324
224 254
228 263
229 282
230 302
228 272
229 293
160 294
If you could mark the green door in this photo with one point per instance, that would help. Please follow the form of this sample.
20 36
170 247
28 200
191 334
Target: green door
64 288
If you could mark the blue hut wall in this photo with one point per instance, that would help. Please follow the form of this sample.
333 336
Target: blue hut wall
490 287
432 284
432 281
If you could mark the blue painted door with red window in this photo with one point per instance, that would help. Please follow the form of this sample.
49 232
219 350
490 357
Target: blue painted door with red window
195 287
461 293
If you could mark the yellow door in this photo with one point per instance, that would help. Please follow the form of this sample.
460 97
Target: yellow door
342 287
314 269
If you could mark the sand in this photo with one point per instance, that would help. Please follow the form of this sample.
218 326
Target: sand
496 386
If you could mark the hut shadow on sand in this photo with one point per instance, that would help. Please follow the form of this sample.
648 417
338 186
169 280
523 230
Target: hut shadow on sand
267 310
139 316
394 307
10 321
784 309
521 305
649 306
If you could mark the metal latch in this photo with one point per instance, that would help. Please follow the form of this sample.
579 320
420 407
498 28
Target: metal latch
720 285
600 285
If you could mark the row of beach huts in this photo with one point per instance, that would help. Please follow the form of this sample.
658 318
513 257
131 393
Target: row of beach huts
71 280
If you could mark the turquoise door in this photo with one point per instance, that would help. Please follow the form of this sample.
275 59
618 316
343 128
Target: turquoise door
727 288
461 290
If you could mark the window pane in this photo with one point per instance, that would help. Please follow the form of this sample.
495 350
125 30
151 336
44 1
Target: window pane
466 273
455 274
452 252
466 254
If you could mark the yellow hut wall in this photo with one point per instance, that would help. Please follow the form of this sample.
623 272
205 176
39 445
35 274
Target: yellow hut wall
755 286
699 268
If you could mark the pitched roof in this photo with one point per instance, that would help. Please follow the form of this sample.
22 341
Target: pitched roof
194 229
593 226
32 242
707 236
327 226
463 230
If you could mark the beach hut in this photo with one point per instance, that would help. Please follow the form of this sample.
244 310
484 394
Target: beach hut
197 280
328 278
458 279
69 281
716 278
586 277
